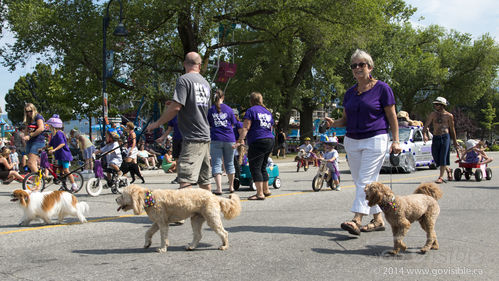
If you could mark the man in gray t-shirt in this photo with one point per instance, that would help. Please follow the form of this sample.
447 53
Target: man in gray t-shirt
191 102
193 93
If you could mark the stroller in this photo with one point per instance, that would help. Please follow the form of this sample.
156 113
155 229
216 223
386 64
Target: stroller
245 178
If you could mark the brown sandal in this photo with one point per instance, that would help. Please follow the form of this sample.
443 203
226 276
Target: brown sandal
372 226
440 180
351 228
449 174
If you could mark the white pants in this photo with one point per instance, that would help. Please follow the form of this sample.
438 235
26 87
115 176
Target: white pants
365 158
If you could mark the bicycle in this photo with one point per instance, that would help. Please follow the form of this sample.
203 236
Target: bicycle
96 185
323 174
37 181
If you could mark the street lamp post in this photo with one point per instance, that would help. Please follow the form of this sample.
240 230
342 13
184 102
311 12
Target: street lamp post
119 31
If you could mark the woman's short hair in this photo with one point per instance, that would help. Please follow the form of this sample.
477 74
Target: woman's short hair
130 125
362 55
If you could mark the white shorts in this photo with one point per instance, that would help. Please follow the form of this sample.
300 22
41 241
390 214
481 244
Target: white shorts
132 154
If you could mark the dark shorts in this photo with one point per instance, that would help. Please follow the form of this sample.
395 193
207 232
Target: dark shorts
440 149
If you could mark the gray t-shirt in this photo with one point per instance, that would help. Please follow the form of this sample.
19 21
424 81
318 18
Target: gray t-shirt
193 92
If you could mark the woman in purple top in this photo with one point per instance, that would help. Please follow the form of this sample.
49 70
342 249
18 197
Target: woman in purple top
257 129
221 118
60 148
33 135
368 114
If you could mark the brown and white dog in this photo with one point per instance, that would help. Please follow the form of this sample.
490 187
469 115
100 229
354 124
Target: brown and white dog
164 206
48 204
402 211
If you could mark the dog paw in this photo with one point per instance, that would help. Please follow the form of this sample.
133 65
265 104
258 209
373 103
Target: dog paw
424 250
189 248
147 245
161 250
223 247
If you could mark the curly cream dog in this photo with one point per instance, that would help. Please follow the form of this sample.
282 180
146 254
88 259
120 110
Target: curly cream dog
48 204
402 211
167 206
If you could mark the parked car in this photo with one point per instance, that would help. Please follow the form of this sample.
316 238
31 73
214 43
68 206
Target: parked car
415 152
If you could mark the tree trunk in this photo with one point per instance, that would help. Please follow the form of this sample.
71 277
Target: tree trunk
306 122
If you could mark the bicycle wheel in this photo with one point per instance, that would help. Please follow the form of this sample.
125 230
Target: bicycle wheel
121 184
33 181
94 187
317 183
78 177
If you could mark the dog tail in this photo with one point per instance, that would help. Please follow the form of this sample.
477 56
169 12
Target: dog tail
430 189
231 207
83 207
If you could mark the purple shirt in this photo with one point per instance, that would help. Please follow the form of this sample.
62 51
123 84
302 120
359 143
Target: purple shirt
62 154
365 113
238 125
221 123
176 132
261 123
32 127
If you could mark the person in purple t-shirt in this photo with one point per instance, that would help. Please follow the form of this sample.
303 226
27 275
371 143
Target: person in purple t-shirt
257 129
221 118
33 135
368 114
60 147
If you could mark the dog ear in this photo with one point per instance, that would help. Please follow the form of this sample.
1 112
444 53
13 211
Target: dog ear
138 200
24 199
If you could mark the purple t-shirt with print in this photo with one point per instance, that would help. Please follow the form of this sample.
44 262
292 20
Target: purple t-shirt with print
62 154
221 123
261 123
365 113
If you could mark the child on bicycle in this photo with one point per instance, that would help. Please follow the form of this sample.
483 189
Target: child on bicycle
113 158
60 147
331 157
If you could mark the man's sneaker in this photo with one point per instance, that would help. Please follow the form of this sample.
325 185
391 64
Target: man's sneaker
337 188
74 187
175 181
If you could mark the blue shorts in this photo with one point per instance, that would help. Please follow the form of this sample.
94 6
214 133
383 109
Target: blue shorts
63 164
34 147
440 150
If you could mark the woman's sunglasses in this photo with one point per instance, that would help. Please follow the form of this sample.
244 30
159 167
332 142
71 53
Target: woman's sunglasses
360 64
28 111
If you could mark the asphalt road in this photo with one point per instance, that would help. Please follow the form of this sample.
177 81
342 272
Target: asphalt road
293 235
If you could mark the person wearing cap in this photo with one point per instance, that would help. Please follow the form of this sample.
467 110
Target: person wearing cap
113 158
442 123
331 157
309 150
368 115
60 147
33 135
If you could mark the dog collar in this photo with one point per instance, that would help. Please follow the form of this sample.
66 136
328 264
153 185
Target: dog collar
390 204
149 200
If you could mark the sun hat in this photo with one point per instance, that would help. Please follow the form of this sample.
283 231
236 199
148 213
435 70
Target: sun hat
306 139
441 100
470 143
55 121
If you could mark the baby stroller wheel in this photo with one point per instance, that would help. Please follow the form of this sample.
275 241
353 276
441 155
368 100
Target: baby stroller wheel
458 174
488 176
236 184
478 175
277 183
252 185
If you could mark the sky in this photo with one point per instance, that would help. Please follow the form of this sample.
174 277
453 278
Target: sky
466 16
